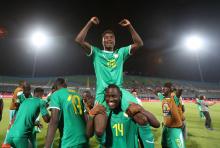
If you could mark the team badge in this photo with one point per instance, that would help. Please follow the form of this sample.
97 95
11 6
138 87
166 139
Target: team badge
115 55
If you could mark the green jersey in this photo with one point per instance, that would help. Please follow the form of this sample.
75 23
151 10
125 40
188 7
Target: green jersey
108 66
118 131
71 107
26 116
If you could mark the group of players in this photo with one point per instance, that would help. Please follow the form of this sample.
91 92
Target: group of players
116 117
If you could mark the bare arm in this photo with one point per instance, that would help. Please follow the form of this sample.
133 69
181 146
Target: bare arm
136 38
151 118
52 127
80 38
90 126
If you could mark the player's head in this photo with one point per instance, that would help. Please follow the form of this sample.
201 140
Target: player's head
108 40
88 98
134 93
167 89
202 97
38 92
21 83
27 90
179 92
113 96
60 83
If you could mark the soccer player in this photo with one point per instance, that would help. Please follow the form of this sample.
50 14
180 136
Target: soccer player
205 110
88 100
1 107
198 102
69 104
21 95
172 136
181 107
145 134
108 64
119 123
26 116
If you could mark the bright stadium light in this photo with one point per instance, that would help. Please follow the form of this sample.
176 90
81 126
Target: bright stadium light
39 39
194 42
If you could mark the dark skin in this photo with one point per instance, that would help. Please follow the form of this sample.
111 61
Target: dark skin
108 40
113 100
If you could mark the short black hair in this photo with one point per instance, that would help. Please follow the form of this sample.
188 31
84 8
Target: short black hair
168 84
201 97
114 86
108 31
38 90
60 82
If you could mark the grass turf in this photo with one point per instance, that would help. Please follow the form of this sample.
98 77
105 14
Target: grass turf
198 136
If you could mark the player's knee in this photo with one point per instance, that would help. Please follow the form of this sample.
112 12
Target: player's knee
100 124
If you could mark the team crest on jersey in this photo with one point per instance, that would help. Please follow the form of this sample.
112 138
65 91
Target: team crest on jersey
178 142
115 55
166 109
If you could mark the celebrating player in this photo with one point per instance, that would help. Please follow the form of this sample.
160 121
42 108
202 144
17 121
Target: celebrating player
67 103
108 64
26 116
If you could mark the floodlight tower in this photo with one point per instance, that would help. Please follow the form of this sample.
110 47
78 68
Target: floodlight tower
195 44
39 40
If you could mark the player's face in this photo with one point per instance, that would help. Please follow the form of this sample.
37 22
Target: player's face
108 41
113 98
134 94
166 91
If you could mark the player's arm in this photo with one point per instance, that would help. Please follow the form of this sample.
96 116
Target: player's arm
90 126
52 127
80 38
151 118
141 116
136 38
211 103
1 108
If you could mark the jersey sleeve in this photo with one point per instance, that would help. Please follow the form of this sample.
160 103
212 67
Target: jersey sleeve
55 102
160 95
93 51
125 51
43 108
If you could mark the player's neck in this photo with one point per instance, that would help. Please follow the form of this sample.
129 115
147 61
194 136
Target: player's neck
109 49
117 110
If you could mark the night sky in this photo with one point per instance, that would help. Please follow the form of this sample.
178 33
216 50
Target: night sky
161 25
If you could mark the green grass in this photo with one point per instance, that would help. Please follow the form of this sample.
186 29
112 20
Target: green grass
198 136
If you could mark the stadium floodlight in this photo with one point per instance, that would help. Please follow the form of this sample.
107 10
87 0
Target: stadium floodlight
194 42
39 39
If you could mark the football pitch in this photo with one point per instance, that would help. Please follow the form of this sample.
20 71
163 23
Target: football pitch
198 136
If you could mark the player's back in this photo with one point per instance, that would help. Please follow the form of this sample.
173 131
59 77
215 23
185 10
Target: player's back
71 107
27 114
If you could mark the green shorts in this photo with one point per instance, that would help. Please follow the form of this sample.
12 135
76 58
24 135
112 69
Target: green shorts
127 98
172 138
146 136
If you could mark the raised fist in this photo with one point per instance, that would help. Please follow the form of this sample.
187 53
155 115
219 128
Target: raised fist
94 20
124 23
